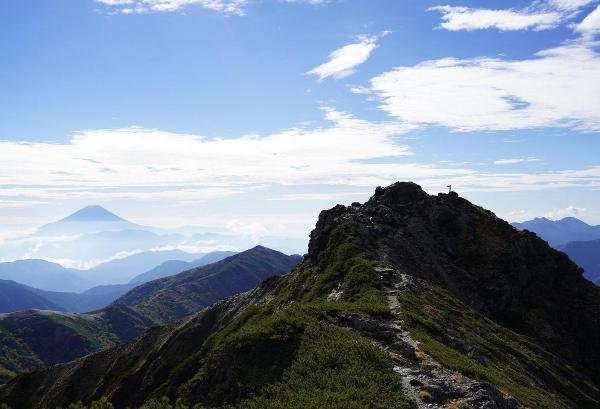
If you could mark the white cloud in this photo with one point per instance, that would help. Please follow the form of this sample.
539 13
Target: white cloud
515 215
590 24
313 2
295 197
144 163
233 7
539 15
558 87
570 4
515 161
115 2
465 18
572 211
343 61
253 230
190 168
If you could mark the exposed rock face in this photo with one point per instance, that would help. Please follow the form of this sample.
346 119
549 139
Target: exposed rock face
511 276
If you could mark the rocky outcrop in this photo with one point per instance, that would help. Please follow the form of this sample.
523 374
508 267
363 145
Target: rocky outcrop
510 276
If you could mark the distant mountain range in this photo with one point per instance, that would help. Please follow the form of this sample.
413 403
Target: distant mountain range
15 296
559 232
31 339
49 276
587 255
579 240
172 267
93 235
19 296
123 270
44 275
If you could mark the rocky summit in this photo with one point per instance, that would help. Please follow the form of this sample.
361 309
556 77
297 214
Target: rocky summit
405 301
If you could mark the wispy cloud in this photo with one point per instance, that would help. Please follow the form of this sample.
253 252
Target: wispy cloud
294 197
313 2
539 15
232 7
515 161
573 211
590 25
557 87
465 18
253 230
569 4
343 61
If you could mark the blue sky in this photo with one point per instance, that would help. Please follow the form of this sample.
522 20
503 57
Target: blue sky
256 114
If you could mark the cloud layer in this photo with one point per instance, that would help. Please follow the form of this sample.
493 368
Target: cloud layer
145 164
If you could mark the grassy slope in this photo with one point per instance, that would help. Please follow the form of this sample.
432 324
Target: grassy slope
169 299
489 352
286 353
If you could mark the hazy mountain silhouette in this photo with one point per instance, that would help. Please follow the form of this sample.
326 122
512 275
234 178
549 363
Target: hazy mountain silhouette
557 232
587 255
172 267
44 275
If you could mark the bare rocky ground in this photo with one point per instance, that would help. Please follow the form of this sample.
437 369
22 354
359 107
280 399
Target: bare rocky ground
430 384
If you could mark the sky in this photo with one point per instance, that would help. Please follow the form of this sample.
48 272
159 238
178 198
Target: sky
254 115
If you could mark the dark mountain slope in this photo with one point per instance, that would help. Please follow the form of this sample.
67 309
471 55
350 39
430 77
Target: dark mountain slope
169 299
90 300
560 232
172 267
33 339
341 331
15 296
511 276
587 255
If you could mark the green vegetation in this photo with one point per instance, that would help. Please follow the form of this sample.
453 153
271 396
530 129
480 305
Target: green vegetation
490 352
333 368
163 403
282 353
287 354
342 267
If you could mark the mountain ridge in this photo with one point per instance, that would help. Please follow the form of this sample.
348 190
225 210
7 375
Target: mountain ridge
33 339
172 267
560 232
587 255
408 300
